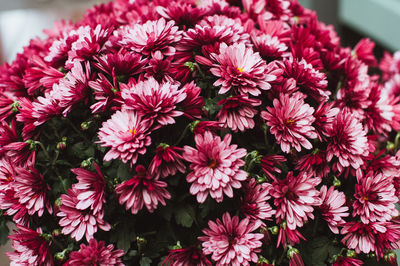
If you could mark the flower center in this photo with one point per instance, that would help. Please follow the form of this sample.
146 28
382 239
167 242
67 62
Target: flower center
289 122
365 198
9 178
212 163
240 69
134 131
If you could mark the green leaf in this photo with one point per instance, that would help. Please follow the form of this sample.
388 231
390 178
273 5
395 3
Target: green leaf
3 231
184 216
145 261
123 235
123 172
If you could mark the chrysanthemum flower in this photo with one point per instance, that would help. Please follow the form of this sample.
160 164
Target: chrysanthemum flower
150 37
347 261
332 207
295 198
268 163
11 206
153 100
127 134
96 253
314 163
254 204
348 141
239 69
90 189
231 242
269 46
193 103
375 198
288 236
291 122
122 63
192 255
105 94
32 190
324 116
142 190
364 51
30 248
237 112
7 174
167 161
215 167
77 222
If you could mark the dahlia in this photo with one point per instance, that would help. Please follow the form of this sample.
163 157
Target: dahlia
215 167
90 189
167 161
237 112
240 69
375 198
347 141
77 222
333 207
254 203
127 133
232 242
291 122
154 101
294 198
142 189
190 256
30 248
150 37
96 253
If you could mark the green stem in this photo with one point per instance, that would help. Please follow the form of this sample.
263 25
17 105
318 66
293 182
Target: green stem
43 149
282 256
77 130
182 135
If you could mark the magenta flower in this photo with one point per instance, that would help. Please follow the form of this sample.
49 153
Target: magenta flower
215 167
348 141
333 207
150 37
237 112
291 122
193 103
30 248
31 190
192 255
347 261
295 198
127 133
240 69
77 222
167 161
269 47
96 253
271 164
232 242
254 204
142 189
153 100
375 198
90 189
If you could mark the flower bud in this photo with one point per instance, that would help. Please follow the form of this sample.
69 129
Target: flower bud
294 257
62 144
263 262
274 230
56 232
85 125
391 258
336 182
60 256
351 253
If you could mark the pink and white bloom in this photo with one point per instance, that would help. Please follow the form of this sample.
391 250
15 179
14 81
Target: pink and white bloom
231 242
96 253
153 100
142 190
167 161
375 198
239 69
77 222
291 122
333 207
295 198
127 133
215 167
348 141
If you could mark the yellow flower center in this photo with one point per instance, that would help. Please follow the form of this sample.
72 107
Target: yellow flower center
289 122
213 163
134 132
365 198
9 178
240 69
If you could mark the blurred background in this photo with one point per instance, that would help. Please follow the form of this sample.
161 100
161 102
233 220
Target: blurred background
21 20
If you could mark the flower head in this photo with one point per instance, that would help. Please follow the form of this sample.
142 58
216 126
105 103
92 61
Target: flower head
215 167
231 242
332 207
167 161
192 255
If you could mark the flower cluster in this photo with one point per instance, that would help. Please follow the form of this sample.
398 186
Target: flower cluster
211 132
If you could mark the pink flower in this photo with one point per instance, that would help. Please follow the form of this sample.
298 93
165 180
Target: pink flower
295 197
90 189
347 141
77 222
269 47
150 37
167 161
142 189
192 255
364 51
291 122
193 103
375 198
215 167
237 112
268 163
96 253
31 190
314 163
199 127
254 204
153 100
240 69
346 261
232 242
105 94
11 206
7 174
122 63
30 248
294 257
288 236
332 207
127 134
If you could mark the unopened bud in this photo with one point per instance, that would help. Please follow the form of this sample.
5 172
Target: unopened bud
391 258
58 202
86 125
56 232
60 256
274 230
336 182
350 253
